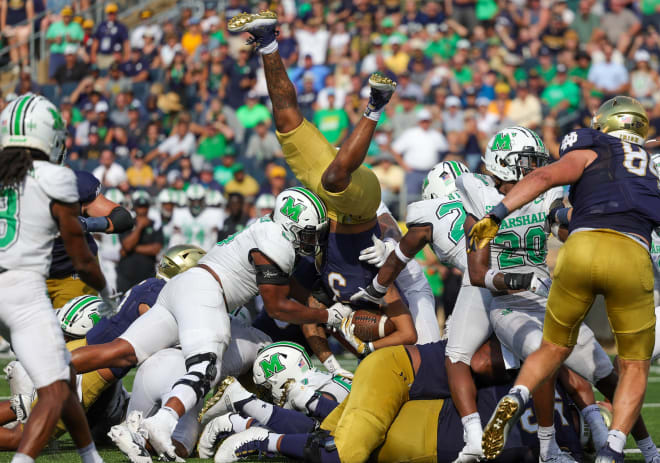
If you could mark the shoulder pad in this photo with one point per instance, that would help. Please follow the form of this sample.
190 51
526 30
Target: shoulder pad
579 139
88 186
58 182
470 188
271 242
421 212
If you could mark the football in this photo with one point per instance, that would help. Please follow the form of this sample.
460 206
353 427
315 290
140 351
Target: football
371 325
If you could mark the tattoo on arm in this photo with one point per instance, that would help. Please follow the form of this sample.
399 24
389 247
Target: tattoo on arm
388 227
281 90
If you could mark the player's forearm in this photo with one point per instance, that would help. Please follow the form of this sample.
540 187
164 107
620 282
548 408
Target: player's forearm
90 273
290 311
315 336
390 271
404 334
148 249
128 244
529 188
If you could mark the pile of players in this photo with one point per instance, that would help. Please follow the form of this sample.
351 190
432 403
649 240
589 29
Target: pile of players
327 249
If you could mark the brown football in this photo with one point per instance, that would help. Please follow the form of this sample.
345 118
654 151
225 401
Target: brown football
371 325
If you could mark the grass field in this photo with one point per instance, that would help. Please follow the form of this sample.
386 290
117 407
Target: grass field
63 450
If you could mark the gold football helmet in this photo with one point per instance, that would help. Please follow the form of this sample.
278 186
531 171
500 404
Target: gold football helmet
622 117
178 259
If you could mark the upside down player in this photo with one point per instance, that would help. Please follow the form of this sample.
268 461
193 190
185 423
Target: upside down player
616 205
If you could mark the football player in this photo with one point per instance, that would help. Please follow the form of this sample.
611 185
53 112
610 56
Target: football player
167 202
38 198
606 253
193 307
109 244
197 224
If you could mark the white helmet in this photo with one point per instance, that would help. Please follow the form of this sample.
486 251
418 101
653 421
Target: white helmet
514 152
141 198
167 196
304 218
80 314
32 121
264 201
196 195
278 363
215 199
116 196
180 198
441 180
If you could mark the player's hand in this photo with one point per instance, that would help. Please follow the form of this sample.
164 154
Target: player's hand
336 313
378 253
334 367
482 233
347 328
368 294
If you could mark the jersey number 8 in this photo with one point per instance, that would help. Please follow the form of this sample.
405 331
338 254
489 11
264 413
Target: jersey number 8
8 217
636 161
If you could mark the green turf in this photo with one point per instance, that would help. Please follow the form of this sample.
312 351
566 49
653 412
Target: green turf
62 451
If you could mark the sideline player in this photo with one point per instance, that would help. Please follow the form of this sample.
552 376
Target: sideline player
38 197
616 205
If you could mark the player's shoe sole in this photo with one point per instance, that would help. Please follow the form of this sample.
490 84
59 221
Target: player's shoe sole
381 82
214 434
495 434
248 22
248 443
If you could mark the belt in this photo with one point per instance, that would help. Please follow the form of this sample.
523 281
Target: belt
216 278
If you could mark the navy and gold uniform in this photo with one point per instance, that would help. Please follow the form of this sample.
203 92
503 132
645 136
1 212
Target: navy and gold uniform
63 282
308 154
615 202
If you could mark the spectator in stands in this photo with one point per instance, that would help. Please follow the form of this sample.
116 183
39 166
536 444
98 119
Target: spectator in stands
312 37
135 68
263 146
391 178
206 178
140 174
16 25
192 38
88 37
181 142
525 108
236 217
609 76
109 173
644 80
110 36
453 119
332 122
585 22
241 77
242 183
61 35
72 69
620 24
145 27
253 112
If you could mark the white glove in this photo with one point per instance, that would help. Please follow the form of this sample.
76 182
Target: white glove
368 294
333 366
379 252
540 286
336 313
361 347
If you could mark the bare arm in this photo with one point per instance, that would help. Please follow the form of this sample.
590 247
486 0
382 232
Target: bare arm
405 332
101 207
151 249
129 242
75 244
389 228
413 241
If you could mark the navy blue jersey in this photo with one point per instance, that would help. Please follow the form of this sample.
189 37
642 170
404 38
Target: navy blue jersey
88 189
618 191
522 444
109 329
431 379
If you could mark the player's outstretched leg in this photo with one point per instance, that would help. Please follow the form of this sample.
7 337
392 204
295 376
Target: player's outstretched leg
507 412
262 27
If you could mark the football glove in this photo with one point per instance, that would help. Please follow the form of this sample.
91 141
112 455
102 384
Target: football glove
379 252
361 347
336 313
368 294
483 232
332 365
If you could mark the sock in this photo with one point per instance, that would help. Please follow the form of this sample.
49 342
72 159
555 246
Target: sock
522 390
256 408
272 442
547 444
270 48
286 421
648 448
22 458
293 445
89 454
323 407
473 430
594 419
616 440
240 423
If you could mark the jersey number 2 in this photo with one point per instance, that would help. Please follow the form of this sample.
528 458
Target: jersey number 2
8 217
455 209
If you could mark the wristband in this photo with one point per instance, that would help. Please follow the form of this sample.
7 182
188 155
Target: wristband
378 287
370 348
499 212
488 280
94 224
561 216
400 255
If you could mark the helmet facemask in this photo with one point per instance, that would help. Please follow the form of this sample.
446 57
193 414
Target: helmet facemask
310 239
524 161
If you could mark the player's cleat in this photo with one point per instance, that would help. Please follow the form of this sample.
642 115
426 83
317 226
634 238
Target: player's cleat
607 455
18 379
506 414
655 459
159 435
469 454
128 438
214 434
561 457
382 89
253 442
21 405
229 392
260 25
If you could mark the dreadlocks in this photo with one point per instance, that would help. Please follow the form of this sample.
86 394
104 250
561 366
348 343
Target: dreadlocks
14 166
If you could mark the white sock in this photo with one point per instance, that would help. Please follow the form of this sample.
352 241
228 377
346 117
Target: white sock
594 419
239 423
259 410
547 444
272 441
311 407
522 390
89 454
616 439
270 48
648 448
22 458
169 416
473 430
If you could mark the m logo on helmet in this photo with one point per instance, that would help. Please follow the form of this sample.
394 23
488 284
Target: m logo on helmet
272 365
58 123
502 142
292 210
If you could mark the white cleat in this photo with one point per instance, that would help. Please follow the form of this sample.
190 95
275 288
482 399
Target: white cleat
214 434
19 381
252 442
21 405
159 436
128 438
561 457
469 454
229 392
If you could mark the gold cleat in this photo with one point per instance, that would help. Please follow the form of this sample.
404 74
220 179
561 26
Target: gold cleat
506 414
220 391
248 22
381 82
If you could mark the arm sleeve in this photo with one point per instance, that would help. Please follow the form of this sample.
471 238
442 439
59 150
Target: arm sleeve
58 182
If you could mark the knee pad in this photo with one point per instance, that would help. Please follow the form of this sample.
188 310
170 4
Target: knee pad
202 372
316 442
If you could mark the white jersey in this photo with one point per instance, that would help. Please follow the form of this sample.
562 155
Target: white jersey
655 258
201 231
337 387
521 242
27 228
446 217
230 259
